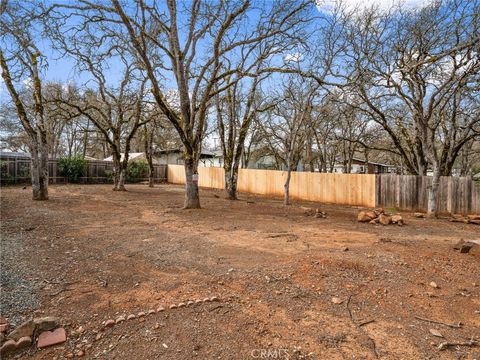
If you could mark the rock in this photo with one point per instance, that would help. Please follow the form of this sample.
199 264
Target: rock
459 244
373 222
141 314
79 353
131 316
419 215
198 301
160 309
190 303
80 330
397 219
109 323
48 338
69 355
206 299
120 319
25 329
214 298
385 219
434 285
150 312
8 347
173 306
378 211
372 214
4 328
182 305
24 342
436 333
46 323
466 247
345 249
99 336
336 300
363 217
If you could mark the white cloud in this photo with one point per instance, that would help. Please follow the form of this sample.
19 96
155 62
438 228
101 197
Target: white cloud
329 5
295 57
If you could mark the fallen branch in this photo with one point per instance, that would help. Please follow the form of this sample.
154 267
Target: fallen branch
456 326
366 322
446 345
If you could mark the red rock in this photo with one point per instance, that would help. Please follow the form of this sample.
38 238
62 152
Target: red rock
48 338
24 342
109 323
8 346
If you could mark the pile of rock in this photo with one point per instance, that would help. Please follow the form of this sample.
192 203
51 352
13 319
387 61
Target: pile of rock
24 335
318 213
379 216
469 219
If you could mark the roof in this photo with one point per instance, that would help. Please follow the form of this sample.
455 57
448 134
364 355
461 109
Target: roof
131 156
13 154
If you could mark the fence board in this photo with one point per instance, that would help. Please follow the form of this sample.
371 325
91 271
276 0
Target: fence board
346 189
410 192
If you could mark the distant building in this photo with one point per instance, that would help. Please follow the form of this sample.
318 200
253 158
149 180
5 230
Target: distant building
360 166
131 156
175 157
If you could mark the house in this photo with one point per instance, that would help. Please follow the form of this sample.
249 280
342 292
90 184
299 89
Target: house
175 157
131 156
361 166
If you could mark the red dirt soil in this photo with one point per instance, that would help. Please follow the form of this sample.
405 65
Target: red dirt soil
91 254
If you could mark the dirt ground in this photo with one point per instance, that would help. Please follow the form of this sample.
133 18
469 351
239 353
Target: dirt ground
90 254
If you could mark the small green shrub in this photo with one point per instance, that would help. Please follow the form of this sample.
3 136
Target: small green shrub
72 167
136 170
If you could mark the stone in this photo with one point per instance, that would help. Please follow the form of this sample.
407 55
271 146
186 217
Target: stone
24 342
198 301
79 353
120 319
373 222
206 299
182 305
69 355
372 214
436 333
8 347
378 211
130 317
173 306
80 330
109 323
214 298
48 338
419 215
25 329
190 303
363 217
150 312
385 219
46 323
434 285
160 309
336 300
466 247
3 328
141 314
99 336
459 244
397 219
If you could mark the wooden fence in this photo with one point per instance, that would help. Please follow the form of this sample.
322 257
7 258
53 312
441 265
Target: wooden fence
345 189
16 170
405 192
456 195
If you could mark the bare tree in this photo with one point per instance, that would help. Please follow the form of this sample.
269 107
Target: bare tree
22 61
408 68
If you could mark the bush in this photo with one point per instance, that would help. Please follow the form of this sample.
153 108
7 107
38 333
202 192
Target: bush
136 170
72 167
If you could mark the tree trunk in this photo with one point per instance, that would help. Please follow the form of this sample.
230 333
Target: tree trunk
121 179
231 178
433 192
192 199
286 196
39 168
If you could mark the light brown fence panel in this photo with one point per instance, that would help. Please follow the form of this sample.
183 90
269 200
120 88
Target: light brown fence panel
347 189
